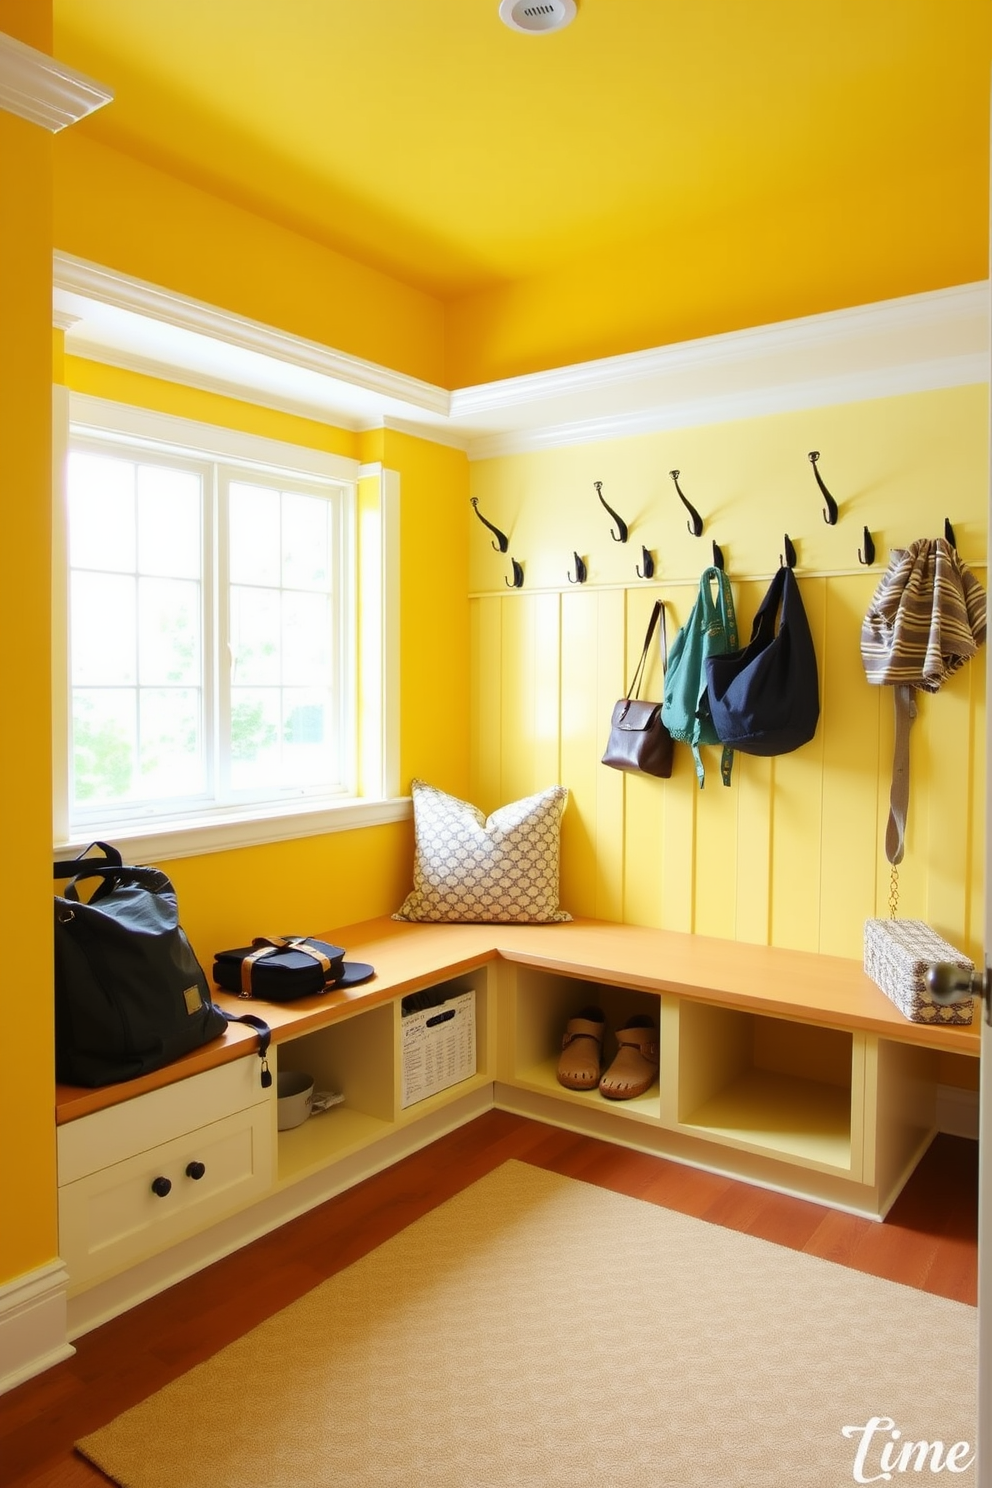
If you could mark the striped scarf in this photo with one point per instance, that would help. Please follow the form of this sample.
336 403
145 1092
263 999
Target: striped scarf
926 619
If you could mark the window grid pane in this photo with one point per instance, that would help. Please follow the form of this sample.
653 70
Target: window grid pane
283 675
160 546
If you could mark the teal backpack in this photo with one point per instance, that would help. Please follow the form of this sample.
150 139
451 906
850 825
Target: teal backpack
710 630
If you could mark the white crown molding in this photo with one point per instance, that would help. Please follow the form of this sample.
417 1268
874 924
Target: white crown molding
92 282
911 317
756 402
918 343
37 88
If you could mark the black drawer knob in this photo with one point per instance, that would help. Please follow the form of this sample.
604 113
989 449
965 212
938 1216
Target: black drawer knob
161 1186
195 1170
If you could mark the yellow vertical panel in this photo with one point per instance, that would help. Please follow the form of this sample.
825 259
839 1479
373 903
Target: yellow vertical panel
592 632
797 819
716 853
976 930
753 777
485 670
530 695
646 799
946 762
673 903
849 730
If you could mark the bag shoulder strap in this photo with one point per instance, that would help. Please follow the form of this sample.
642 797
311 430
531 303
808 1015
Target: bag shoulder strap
633 691
895 830
264 1038
86 867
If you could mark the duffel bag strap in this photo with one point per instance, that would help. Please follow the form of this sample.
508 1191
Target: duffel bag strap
86 867
264 1039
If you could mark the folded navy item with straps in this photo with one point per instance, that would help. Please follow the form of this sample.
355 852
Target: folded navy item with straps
280 968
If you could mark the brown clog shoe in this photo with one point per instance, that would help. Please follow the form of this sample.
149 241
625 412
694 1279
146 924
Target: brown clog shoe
581 1060
635 1068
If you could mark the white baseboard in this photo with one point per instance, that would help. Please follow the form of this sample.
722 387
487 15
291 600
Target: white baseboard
33 1324
957 1111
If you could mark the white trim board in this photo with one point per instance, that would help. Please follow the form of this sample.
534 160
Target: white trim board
37 88
914 344
33 1324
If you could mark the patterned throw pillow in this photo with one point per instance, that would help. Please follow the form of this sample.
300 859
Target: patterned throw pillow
498 869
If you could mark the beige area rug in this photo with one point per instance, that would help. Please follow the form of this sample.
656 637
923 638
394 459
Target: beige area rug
536 1331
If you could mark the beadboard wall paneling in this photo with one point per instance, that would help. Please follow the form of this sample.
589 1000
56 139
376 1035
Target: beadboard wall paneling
792 852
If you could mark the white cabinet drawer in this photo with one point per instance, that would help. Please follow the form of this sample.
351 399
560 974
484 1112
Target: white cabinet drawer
134 1126
114 1217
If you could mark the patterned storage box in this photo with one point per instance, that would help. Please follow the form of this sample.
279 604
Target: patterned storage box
897 954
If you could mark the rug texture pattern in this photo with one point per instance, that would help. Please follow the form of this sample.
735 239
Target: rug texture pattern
539 1332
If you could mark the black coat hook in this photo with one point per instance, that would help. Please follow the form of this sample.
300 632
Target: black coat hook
502 541
718 560
868 557
696 525
949 533
830 515
581 572
517 581
789 561
648 562
624 531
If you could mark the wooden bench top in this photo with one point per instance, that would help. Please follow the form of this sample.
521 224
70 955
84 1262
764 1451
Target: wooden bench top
832 991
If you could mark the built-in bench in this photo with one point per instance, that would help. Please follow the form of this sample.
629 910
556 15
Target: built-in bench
785 1068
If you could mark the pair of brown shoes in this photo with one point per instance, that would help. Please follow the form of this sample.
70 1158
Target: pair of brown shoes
633 1070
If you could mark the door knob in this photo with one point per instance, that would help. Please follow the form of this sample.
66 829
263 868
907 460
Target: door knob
948 984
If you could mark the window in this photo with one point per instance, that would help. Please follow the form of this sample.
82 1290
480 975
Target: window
212 628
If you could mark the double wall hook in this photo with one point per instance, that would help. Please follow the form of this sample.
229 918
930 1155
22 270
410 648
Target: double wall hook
695 526
500 546
648 562
867 558
581 572
949 534
718 559
623 533
830 515
789 559
502 541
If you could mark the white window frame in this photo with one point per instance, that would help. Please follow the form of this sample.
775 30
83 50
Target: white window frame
373 497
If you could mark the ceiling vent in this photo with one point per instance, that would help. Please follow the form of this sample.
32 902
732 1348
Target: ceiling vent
536 15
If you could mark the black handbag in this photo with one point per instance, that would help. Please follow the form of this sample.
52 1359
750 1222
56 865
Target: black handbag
639 740
765 699
281 968
130 994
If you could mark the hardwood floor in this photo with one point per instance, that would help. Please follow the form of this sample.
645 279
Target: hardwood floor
928 1241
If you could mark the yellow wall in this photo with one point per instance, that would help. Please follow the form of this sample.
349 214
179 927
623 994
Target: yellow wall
791 854
27 1152
111 209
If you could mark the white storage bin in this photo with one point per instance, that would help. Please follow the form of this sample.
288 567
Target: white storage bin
438 1047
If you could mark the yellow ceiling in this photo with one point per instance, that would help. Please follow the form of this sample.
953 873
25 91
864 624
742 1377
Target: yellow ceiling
429 141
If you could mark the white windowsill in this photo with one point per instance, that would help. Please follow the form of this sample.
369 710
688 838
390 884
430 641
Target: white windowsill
192 837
